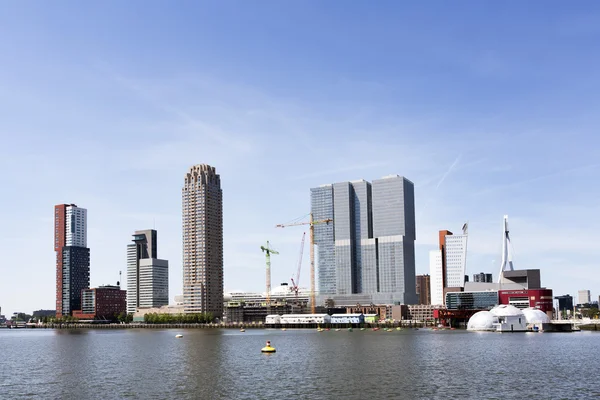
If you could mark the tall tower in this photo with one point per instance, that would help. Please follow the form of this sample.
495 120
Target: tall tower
202 199
72 257
367 253
147 276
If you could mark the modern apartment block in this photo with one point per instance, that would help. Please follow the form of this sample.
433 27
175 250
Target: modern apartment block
72 257
584 297
104 302
448 264
367 253
424 289
147 275
202 200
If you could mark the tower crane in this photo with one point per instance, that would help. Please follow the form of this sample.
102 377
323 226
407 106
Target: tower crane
268 250
311 223
297 282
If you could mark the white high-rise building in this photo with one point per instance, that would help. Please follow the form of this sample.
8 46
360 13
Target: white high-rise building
202 200
76 226
147 276
437 277
456 260
584 297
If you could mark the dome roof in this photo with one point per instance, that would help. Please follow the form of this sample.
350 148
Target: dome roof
482 321
536 316
506 310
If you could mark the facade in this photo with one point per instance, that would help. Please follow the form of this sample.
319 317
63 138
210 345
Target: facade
471 300
447 265
147 276
104 302
424 289
540 299
455 260
436 272
482 278
72 257
367 254
584 297
565 302
202 200
322 208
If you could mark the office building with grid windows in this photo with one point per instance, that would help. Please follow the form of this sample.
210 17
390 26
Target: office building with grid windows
369 247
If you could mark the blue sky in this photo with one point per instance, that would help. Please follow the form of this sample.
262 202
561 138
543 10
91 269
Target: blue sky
489 108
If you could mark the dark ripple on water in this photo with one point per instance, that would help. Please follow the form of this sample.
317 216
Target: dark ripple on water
220 364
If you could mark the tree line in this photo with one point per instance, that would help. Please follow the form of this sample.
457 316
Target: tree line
195 318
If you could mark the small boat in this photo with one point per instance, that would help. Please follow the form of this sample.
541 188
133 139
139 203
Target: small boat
283 329
349 329
362 329
398 329
338 329
178 336
242 330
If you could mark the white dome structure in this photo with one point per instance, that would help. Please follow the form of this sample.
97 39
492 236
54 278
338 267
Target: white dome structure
506 310
536 316
482 321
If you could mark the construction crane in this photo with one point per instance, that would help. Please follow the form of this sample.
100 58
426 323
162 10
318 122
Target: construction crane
311 222
268 250
297 282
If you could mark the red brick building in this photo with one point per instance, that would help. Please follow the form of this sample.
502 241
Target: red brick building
104 302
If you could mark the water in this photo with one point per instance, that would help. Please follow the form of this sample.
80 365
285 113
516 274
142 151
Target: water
227 364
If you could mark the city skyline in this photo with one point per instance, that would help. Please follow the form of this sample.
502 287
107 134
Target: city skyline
485 120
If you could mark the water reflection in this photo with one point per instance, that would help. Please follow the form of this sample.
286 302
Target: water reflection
214 364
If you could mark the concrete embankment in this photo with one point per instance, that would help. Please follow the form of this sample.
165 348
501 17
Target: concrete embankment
218 326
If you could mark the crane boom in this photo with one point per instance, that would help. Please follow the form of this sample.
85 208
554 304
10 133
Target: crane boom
311 223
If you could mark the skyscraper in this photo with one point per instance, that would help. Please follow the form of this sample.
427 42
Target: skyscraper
322 208
202 199
147 276
72 257
367 253
424 289
447 266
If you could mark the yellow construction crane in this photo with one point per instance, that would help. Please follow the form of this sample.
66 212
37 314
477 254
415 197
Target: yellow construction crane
269 251
311 222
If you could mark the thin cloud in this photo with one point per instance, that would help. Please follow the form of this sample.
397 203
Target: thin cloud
349 168
536 179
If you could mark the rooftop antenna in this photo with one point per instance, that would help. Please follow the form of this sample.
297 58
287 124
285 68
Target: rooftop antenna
119 283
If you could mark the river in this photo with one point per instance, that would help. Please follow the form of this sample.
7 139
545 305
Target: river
227 364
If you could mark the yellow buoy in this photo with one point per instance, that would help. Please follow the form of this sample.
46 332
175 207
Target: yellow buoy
268 348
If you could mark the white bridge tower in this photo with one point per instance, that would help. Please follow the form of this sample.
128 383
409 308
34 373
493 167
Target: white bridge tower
506 264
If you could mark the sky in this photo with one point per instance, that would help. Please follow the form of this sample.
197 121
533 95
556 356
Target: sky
489 108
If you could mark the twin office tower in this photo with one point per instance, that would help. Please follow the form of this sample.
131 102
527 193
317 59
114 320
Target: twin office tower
367 254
